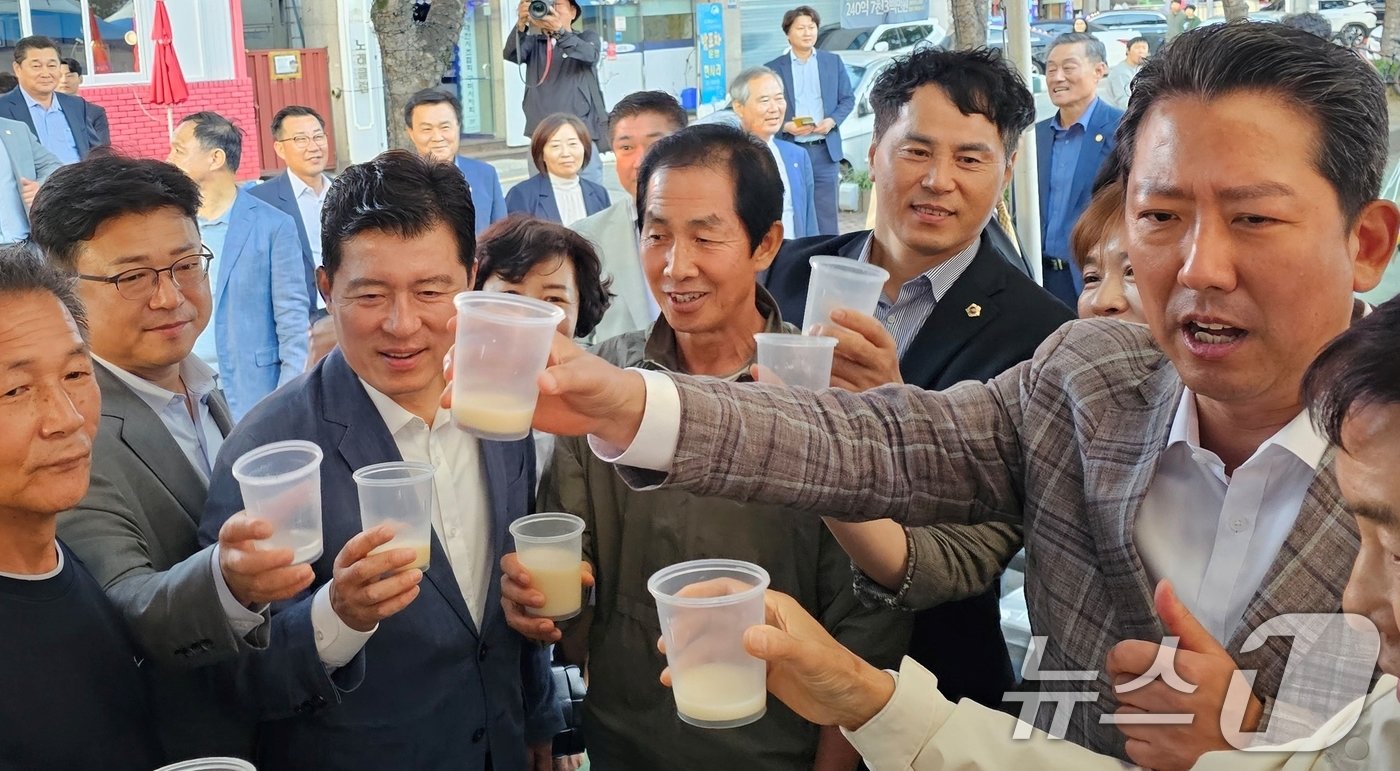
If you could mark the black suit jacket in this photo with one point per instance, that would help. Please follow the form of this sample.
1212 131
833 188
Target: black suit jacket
960 642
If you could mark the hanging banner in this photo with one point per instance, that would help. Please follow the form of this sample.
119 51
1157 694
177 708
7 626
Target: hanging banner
856 14
709 36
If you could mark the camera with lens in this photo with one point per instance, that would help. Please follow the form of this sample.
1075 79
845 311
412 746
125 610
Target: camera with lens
540 9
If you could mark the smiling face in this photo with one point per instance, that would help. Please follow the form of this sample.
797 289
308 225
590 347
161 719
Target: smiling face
40 72
49 407
302 145
1368 482
1072 77
802 35
144 337
391 298
551 280
434 131
563 153
632 136
937 173
695 250
1245 263
762 114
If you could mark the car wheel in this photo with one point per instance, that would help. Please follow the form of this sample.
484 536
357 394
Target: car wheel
1352 34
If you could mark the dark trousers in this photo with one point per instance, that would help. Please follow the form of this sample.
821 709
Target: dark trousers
1059 281
826 175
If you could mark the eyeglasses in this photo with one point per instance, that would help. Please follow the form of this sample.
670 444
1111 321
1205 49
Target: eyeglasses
140 283
300 141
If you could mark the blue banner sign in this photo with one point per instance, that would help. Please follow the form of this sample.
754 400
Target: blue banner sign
856 14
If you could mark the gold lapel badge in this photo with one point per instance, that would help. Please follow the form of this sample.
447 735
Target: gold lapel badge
973 311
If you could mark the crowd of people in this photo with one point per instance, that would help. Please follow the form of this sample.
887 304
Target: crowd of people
1209 447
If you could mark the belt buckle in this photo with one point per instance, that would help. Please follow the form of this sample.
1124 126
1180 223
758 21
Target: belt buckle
1058 264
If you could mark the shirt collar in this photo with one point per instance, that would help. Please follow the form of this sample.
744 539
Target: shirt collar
812 57
1299 437
1083 121
395 417
199 378
663 352
299 187
32 102
950 269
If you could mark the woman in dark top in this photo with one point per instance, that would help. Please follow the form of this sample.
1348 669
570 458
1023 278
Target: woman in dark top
560 147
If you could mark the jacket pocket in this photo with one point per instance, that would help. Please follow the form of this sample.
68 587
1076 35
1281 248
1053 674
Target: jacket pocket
270 356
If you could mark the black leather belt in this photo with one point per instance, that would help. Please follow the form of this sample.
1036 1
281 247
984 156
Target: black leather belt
1052 263
821 141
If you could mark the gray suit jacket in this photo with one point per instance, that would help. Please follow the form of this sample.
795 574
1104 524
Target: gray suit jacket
136 530
613 232
1065 444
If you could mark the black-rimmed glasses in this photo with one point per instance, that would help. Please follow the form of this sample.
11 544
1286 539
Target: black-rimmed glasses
140 283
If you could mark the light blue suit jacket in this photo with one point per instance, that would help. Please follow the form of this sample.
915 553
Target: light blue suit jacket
263 314
838 95
278 192
1099 142
535 197
799 176
485 185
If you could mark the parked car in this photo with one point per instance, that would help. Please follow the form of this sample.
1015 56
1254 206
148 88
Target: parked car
1352 20
1040 42
1143 23
1115 42
885 37
856 130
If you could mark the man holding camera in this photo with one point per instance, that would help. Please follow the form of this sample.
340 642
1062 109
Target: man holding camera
560 70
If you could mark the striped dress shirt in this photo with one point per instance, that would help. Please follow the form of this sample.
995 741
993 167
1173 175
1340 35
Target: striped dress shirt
919 295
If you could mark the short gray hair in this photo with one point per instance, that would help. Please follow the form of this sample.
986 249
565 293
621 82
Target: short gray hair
1093 47
739 86
23 270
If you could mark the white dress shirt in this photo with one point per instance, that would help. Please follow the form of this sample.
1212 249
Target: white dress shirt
1215 536
461 509
568 196
309 204
789 229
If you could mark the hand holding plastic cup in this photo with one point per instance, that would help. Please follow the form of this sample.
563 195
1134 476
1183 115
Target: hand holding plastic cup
797 360
400 495
704 607
839 282
502 347
550 546
281 484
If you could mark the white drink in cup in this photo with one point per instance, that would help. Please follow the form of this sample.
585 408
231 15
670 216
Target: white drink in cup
550 546
704 607
502 346
839 282
399 494
281 484
797 360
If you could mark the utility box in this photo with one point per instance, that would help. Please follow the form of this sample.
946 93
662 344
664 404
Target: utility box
286 77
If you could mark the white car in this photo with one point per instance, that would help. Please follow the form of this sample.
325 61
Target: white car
864 67
1352 20
885 37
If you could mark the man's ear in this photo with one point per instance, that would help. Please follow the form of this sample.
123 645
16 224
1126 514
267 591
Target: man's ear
323 285
1373 239
768 247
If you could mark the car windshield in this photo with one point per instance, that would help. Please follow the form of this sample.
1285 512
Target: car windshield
844 39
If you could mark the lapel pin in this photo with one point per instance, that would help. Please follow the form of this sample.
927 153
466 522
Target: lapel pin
973 311
1098 137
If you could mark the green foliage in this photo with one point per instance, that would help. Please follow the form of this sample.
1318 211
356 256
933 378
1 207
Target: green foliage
861 178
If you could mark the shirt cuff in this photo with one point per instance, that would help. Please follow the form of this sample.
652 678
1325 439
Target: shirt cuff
654 447
240 619
898 733
336 643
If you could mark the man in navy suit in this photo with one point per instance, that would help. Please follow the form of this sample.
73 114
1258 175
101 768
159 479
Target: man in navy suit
60 121
447 684
819 91
434 120
759 102
299 140
1070 148
958 306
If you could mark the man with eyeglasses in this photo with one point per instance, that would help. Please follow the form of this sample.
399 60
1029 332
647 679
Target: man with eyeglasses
127 229
66 125
258 335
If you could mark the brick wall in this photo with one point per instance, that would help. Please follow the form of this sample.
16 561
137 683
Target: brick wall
139 129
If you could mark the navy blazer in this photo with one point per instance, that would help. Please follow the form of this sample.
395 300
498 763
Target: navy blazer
485 186
87 126
838 95
439 692
278 192
961 642
535 197
1100 140
802 189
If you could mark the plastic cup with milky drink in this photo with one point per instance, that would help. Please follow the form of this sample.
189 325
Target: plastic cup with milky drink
281 484
797 360
839 282
502 347
550 546
399 494
704 607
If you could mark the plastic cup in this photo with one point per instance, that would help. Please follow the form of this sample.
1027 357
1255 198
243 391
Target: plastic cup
839 282
399 494
705 606
281 483
210 764
502 346
550 546
797 360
